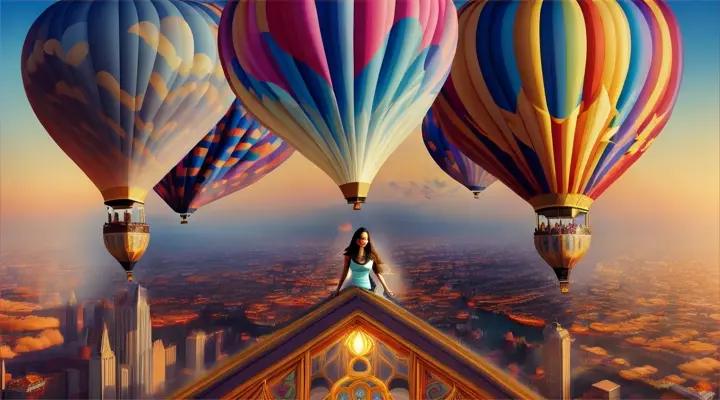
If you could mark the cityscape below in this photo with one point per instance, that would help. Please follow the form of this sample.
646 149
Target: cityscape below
636 326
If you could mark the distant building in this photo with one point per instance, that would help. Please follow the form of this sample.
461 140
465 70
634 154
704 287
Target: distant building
604 390
2 376
102 374
71 320
103 314
123 382
158 376
213 347
133 338
31 386
556 362
692 394
72 380
195 351
170 361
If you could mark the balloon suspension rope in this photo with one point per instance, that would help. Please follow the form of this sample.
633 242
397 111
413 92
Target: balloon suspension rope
128 274
356 206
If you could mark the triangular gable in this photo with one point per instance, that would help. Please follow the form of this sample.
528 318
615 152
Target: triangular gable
460 373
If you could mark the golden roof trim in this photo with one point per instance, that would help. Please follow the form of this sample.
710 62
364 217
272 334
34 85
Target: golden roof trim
226 368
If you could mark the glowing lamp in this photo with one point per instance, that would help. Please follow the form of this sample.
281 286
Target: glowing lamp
359 343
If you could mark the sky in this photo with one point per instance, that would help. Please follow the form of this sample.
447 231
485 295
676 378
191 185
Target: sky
672 195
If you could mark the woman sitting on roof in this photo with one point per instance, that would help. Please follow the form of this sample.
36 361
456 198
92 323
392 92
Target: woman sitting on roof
361 258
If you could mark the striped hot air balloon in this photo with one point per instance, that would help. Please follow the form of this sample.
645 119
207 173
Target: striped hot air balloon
451 160
344 82
557 99
126 89
236 153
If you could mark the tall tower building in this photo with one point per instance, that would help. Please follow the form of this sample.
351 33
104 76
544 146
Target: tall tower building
103 314
123 382
71 320
170 361
2 377
213 347
556 362
133 338
102 373
195 351
158 366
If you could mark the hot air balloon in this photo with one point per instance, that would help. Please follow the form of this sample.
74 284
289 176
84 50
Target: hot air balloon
236 153
451 160
557 99
125 89
342 82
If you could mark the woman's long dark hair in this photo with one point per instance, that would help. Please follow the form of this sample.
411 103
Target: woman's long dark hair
370 253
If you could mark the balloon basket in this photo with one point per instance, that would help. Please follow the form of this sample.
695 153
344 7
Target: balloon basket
183 222
564 287
128 275
356 207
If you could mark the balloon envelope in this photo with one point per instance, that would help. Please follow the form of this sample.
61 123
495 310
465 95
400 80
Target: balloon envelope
125 88
451 160
558 98
343 82
233 155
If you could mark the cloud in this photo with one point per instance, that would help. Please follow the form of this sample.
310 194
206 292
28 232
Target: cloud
673 343
27 323
17 306
595 350
46 338
6 353
345 227
427 189
703 366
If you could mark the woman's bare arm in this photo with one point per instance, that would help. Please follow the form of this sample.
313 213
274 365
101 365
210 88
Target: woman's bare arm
384 284
346 267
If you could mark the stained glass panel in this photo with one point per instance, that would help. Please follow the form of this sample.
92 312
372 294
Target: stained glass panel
360 394
332 351
343 396
332 370
435 388
402 367
315 365
377 396
285 389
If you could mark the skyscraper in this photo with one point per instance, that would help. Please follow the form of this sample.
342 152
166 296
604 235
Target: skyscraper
213 347
71 319
103 314
195 351
2 377
158 375
133 338
556 362
123 382
170 361
102 373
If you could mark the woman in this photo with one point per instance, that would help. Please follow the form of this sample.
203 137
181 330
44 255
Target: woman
361 258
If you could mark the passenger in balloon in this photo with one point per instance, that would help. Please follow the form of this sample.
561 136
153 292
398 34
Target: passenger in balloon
562 237
361 258
126 233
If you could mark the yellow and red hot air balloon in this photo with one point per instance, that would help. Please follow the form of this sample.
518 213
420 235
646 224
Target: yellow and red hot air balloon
126 89
557 99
